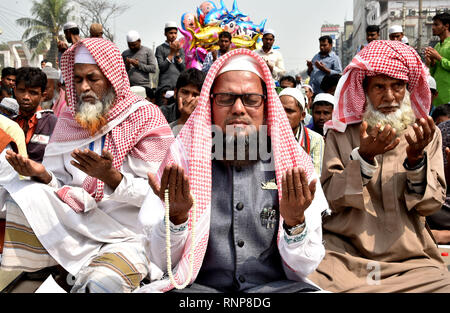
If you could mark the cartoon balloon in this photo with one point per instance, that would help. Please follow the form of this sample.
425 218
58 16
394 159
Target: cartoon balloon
204 9
246 42
188 21
215 16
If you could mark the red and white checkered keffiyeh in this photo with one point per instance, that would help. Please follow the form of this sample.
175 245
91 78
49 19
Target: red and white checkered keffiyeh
143 133
391 58
197 142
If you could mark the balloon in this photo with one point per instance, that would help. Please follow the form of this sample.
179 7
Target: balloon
201 32
204 9
207 36
235 13
246 42
188 21
214 17
194 57
248 28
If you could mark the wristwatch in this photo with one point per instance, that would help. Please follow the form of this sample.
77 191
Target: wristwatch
296 230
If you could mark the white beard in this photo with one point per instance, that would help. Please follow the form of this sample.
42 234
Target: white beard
93 116
399 120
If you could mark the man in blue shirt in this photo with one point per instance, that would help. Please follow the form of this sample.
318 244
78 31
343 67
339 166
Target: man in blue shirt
326 62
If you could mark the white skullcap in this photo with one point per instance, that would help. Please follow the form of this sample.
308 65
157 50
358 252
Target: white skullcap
10 104
242 63
325 97
395 29
269 31
83 56
169 94
171 24
139 91
405 40
432 82
308 86
70 25
133 36
48 64
51 73
296 94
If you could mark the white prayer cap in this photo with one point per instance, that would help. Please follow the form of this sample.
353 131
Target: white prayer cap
308 86
133 36
242 63
170 24
51 73
269 31
296 94
432 82
10 104
395 29
405 40
70 25
139 91
83 56
325 97
169 94
48 64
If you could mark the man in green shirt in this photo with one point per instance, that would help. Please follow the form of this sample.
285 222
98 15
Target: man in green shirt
438 59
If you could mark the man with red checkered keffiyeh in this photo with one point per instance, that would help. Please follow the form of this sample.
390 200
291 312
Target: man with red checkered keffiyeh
258 203
382 174
80 208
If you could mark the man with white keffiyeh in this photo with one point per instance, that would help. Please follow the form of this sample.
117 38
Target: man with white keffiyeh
80 208
256 222
382 174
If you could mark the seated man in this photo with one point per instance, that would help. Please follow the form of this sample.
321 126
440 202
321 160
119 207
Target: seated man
37 124
88 191
440 221
294 105
258 223
322 112
382 174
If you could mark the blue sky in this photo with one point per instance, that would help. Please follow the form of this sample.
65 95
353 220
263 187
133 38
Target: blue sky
297 23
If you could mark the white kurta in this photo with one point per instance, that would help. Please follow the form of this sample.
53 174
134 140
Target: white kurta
73 239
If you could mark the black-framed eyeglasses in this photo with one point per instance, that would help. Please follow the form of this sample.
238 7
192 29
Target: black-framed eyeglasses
228 99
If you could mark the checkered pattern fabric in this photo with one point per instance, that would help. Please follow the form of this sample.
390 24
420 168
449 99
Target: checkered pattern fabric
197 141
141 133
391 58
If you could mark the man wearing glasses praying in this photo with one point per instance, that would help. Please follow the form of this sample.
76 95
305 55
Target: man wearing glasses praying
258 215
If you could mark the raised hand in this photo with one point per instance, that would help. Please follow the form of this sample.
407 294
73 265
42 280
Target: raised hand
297 196
29 168
424 135
180 198
97 166
377 141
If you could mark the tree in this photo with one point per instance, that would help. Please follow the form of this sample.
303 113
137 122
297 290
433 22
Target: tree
101 12
43 28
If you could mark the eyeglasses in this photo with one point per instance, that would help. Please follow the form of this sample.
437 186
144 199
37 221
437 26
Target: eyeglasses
228 99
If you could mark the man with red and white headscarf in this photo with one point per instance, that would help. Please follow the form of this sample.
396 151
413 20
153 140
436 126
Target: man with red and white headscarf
256 222
382 174
80 209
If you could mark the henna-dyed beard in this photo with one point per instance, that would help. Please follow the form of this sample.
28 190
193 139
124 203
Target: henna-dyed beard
93 117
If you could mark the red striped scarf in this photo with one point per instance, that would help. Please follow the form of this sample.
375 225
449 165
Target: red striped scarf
391 58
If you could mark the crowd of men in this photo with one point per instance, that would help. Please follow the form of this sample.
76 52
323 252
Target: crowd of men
264 182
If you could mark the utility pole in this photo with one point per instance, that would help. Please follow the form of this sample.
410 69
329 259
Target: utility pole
404 16
419 38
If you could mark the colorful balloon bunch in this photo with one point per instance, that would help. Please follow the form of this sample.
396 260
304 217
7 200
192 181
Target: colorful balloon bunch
201 32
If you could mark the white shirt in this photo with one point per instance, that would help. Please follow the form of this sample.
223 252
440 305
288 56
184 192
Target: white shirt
275 59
